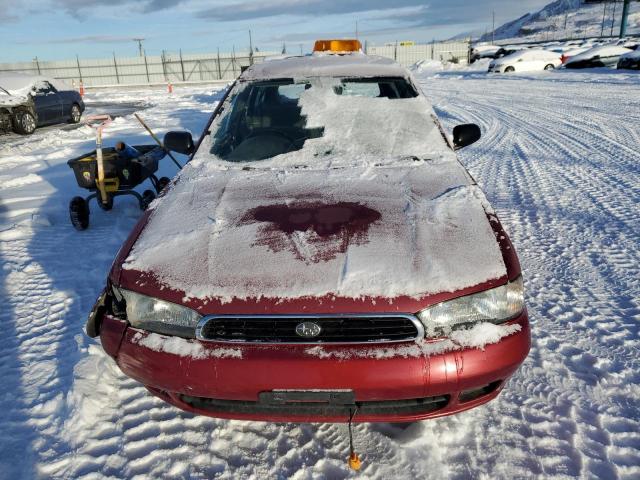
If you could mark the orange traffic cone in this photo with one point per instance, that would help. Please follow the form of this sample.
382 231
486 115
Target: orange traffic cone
81 89
169 87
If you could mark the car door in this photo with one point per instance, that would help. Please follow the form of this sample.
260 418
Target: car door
48 103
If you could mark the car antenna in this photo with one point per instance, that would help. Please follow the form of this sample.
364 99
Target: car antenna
354 460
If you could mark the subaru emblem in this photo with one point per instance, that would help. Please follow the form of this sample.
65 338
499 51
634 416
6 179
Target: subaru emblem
308 329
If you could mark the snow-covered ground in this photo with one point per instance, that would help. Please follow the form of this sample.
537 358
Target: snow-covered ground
559 159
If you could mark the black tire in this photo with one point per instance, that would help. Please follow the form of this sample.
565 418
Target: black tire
24 123
105 206
75 114
509 70
79 213
147 197
163 182
549 67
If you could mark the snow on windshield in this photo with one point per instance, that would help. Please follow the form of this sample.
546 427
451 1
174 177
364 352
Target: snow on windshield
327 119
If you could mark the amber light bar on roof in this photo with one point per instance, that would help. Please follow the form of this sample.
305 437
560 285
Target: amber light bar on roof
337 46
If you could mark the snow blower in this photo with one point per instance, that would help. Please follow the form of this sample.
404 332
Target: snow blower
113 171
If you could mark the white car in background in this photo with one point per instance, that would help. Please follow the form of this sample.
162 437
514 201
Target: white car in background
526 61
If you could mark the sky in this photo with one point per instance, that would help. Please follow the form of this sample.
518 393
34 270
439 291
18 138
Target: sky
57 30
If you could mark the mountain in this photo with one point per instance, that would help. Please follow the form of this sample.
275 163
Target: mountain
568 19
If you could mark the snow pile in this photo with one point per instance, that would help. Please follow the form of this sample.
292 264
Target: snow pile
426 66
183 347
478 336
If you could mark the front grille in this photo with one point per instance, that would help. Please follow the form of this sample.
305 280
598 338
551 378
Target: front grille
332 328
415 406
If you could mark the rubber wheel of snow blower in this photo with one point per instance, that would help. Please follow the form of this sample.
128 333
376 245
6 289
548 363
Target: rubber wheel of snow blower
105 206
163 182
147 197
79 213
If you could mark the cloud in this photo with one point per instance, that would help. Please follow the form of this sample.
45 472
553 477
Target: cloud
84 39
5 11
249 10
434 12
79 8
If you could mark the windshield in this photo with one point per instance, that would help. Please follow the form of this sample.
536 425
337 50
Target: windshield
270 118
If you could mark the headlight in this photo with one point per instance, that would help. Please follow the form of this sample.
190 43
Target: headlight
158 316
496 306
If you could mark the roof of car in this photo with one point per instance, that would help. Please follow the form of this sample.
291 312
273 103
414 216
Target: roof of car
325 65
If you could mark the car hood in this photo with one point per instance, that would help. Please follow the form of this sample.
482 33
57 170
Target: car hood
411 228
12 100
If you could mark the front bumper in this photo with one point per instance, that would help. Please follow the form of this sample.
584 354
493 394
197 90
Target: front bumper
390 389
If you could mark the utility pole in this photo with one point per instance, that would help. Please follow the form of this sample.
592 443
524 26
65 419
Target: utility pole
300 49
613 18
250 49
356 29
604 12
625 18
140 49
493 32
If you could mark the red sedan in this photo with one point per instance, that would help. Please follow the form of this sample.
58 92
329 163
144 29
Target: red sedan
324 252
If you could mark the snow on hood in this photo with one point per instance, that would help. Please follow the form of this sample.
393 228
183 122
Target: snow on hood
603 51
11 100
356 232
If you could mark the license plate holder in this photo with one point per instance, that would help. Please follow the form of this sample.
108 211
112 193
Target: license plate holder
326 397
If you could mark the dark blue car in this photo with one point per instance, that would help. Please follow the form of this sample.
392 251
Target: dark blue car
28 102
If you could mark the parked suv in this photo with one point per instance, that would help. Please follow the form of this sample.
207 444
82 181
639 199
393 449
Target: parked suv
28 102
323 253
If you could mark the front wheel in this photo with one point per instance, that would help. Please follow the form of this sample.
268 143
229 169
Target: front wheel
79 213
549 67
25 123
75 114
509 70
162 182
147 197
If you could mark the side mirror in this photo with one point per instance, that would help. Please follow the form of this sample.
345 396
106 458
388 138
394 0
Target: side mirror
465 134
180 142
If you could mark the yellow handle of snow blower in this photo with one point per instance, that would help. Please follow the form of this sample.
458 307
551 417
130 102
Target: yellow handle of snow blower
99 122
